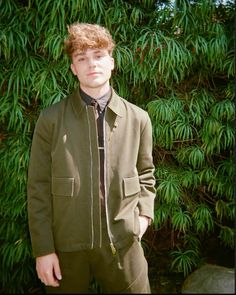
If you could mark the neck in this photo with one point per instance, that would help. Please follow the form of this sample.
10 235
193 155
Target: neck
97 91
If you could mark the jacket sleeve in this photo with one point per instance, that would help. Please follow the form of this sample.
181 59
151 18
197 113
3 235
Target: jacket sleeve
39 202
146 169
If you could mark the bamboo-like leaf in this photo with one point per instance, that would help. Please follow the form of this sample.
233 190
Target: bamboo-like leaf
191 241
189 179
184 261
224 110
203 218
170 191
204 99
207 174
196 157
226 136
223 209
229 64
181 221
161 215
193 156
123 57
211 126
226 167
227 235
136 15
173 59
183 130
54 45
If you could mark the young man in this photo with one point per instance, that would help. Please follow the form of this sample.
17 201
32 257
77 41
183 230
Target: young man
91 184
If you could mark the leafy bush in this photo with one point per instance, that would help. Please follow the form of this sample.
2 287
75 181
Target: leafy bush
176 60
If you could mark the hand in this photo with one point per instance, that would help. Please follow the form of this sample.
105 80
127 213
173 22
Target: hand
143 223
48 269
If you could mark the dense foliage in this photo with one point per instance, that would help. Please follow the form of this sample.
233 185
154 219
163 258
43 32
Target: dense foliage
173 58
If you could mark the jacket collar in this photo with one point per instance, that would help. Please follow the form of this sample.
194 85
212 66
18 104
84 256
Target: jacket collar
116 105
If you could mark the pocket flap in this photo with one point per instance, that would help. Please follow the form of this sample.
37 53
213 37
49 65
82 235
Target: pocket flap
131 186
63 186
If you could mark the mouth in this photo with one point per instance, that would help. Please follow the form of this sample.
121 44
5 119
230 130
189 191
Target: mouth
93 74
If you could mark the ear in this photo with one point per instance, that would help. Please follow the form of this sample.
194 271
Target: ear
73 69
112 63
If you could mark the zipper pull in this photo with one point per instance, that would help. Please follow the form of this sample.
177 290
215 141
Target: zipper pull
113 249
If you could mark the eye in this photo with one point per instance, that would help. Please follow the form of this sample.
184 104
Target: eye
81 59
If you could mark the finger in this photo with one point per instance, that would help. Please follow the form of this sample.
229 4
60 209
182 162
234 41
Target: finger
50 280
57 271
51 283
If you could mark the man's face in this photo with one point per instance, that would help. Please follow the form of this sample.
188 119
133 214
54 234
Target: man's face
92 67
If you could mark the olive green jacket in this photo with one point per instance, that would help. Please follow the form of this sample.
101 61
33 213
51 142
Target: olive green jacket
64 208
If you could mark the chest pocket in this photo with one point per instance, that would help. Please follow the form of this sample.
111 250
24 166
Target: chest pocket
63 186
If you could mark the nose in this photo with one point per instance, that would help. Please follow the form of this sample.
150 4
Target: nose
91 62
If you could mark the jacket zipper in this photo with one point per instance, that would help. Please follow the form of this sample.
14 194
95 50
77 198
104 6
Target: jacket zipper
113 249
91 176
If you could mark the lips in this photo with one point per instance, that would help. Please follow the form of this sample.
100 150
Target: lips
94 73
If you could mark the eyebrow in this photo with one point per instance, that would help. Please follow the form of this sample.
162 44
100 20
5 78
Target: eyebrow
83 52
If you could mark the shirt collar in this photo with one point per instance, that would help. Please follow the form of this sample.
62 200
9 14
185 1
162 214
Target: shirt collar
115 103
102 101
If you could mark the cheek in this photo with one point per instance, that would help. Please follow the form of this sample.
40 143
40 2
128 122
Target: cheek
73 69
109 68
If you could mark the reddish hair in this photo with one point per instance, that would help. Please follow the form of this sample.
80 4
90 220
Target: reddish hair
82 36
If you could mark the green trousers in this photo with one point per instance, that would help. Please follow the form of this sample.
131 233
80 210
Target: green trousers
124 272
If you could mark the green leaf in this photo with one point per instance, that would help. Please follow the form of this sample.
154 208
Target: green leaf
184 261
227 236
203 218
181 221
170 190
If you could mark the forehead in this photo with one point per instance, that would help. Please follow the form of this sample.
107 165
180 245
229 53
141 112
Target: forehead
89 51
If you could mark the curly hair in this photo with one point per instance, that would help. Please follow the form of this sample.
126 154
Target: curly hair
82 36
